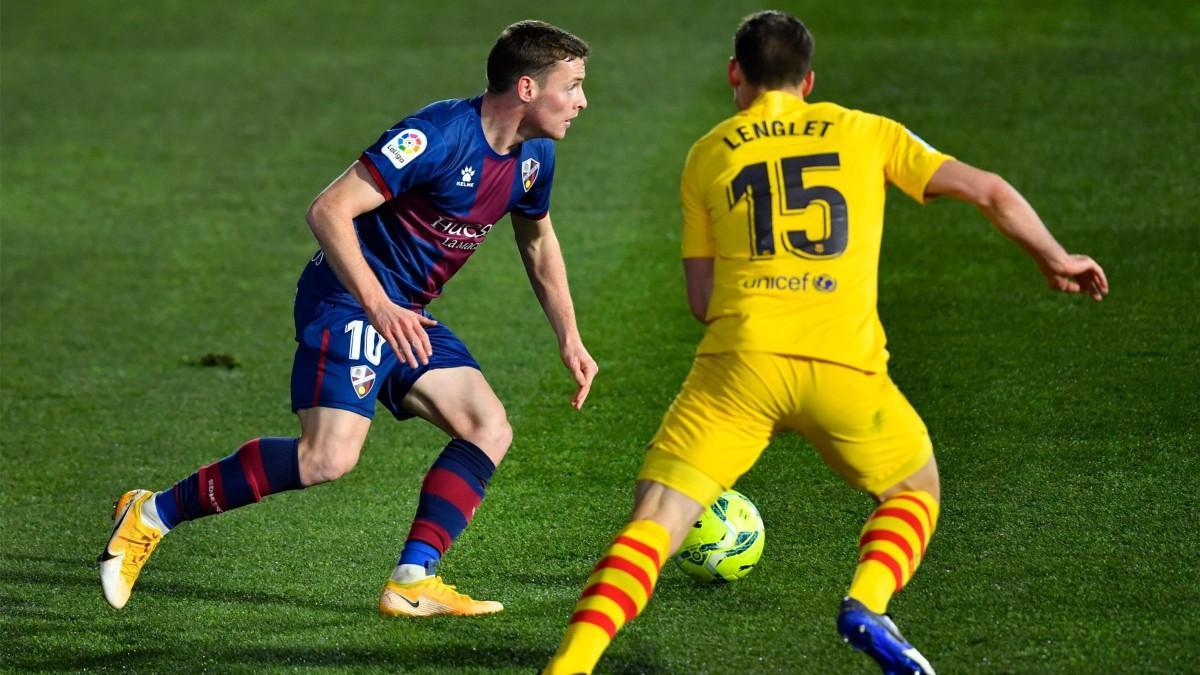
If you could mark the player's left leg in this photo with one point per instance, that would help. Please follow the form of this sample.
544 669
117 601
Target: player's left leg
867 431
893 541
460 401
891 546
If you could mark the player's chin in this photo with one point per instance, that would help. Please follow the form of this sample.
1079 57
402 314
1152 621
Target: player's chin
560 132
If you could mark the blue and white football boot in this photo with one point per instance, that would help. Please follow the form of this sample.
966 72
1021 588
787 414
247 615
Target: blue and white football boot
876 635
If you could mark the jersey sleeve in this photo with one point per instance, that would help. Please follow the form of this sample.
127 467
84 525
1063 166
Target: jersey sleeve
405 156
697 225
537 177
911 161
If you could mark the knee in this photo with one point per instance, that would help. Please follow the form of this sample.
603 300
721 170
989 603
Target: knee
923 484
326 460
492 433
675 511
925 479
928 480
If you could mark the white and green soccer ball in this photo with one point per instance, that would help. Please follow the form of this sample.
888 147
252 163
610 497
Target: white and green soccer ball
726 543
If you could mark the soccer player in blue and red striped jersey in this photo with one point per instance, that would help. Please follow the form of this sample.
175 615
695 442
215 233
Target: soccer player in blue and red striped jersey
393 228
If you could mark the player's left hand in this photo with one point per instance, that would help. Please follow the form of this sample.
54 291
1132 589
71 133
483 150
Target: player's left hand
1077 274
581 364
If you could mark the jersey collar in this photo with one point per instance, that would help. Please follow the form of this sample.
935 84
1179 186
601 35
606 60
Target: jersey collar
477 105
773 102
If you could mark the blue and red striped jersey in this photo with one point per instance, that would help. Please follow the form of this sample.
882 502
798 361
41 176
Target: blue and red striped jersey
445 189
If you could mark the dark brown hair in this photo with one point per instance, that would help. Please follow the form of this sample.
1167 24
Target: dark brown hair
773 48
530 48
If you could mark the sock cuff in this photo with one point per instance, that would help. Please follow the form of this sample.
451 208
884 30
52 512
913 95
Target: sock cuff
919 499
473 459
280 461
154 516
420 553
650 533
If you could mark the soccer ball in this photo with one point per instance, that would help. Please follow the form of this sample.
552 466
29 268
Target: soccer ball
726 543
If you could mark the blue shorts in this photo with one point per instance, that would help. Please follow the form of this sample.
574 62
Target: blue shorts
341 362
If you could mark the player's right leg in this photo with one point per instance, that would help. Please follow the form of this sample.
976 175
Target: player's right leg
260 467
621 583
867 431
326 449
334 419
714 431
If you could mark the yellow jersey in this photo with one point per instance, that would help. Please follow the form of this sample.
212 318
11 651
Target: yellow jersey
787 198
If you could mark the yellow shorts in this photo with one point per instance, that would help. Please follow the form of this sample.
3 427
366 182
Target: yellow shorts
733 403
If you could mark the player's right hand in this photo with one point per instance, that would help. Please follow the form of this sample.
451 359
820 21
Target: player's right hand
1077 274
404 330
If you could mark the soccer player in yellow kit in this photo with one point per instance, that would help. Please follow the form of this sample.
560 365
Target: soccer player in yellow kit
782 220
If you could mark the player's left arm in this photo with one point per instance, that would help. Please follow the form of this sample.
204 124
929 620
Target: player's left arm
547 272
1016 219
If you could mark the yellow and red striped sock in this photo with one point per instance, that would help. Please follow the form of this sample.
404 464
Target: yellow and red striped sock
892 546
616 592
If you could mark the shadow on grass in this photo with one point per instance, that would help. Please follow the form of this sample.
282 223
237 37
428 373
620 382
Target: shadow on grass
90 649
567 582
59 572
394 657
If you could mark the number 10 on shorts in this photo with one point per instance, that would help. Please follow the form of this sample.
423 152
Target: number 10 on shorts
364 342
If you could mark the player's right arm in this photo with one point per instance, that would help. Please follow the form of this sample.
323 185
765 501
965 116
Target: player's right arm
331 217
1016 219
698 277
699 248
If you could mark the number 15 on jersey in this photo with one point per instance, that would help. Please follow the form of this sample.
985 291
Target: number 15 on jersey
759 181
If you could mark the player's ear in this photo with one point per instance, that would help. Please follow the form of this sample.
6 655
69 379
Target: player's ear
735 73
527 88
806 87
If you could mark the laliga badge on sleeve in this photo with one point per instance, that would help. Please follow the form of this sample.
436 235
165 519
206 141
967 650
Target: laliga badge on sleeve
405 147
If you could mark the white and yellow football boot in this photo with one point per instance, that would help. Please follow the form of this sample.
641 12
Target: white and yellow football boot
431 597
131 543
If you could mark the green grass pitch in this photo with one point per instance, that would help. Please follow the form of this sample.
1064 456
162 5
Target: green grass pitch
156 159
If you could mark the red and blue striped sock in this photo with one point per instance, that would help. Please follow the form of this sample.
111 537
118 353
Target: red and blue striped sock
259 468
452 490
